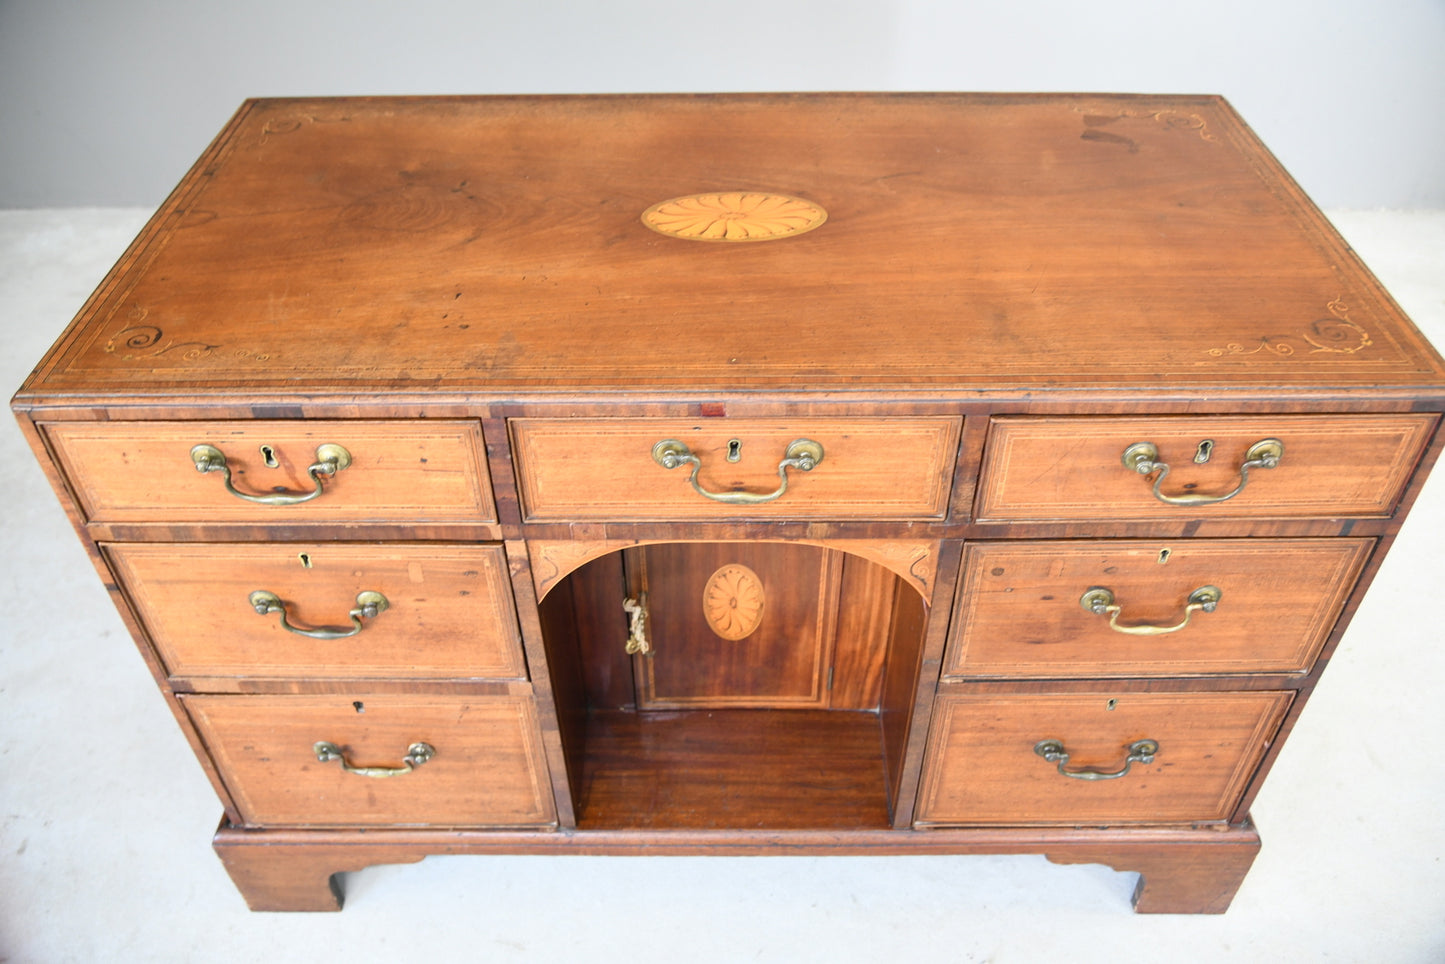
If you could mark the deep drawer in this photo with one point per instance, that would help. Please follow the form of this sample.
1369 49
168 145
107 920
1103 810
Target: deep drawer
1259 606
448 610
1074 468
402 471
486 766
984 764
870 468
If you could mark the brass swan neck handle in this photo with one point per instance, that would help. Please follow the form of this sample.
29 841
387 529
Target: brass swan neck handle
1143 458
801 454
416 755
368 604
1140 751
1100 602
330 459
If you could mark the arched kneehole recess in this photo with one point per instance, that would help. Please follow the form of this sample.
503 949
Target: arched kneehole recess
734 684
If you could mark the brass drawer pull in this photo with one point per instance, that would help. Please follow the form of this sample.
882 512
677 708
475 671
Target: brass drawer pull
801 454
416 755
1143 457
1140 751
368 604
1100 602
330 459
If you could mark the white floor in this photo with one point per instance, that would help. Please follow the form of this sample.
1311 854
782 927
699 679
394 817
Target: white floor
105 818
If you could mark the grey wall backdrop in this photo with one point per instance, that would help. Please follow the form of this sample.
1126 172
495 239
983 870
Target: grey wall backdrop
104 102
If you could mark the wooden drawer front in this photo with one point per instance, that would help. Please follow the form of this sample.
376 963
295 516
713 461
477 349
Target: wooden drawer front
487 770
872 468
1072 468
449 609
404 471
982 766
1022 614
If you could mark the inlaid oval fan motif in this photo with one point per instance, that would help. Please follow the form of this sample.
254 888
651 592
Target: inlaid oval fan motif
734 216
732 602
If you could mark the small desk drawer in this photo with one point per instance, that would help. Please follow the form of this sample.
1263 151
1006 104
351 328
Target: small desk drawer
402 471
486 766
1074 468
985 765
1272 605
870 468
448 610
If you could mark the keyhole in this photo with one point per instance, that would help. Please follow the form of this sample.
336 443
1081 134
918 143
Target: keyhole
358 706
1206 449
1111 704
735 450
1164 556
269 455
305 560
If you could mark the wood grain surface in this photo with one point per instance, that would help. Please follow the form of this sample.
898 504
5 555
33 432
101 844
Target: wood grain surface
984 241
872 468
1062 468
450 613
982 768
734 768
785 659
488 768
1020 611
413 471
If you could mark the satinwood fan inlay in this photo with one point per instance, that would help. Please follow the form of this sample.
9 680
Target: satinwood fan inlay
732 602
734 216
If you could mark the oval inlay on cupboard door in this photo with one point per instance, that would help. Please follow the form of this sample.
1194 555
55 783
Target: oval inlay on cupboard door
732 602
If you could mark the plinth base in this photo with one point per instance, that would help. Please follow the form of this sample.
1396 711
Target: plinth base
1182 871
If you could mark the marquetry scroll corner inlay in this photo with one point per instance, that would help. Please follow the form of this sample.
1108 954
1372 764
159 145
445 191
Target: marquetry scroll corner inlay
1336 335
916 561
735 216
136 341
733 600
1174 120
554 560
1180 121
289 123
